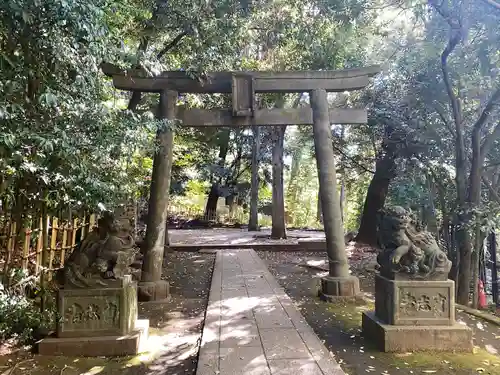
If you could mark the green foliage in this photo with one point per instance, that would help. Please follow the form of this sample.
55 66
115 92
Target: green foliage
356 193
63 139
20 316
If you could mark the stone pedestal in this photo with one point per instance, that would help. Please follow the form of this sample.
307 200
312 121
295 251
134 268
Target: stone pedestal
335 288
413 315
97 322
150 291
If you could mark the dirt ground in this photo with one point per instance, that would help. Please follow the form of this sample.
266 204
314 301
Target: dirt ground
339 326
175 331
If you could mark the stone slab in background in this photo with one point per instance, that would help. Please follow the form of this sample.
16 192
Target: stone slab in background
109 346
402 339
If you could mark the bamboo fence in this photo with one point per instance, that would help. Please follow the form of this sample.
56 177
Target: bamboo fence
48 240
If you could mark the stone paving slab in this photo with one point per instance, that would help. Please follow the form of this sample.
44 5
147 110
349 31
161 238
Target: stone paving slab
252 327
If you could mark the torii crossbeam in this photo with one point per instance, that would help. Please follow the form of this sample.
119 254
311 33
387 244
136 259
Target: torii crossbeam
243 86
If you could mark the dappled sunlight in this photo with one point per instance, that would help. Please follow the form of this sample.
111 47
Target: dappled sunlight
252 362
241 334
166 348
233 236
317 263
234 307
319 275
94 370
252 327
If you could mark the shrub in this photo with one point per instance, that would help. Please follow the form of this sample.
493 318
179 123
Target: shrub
21 318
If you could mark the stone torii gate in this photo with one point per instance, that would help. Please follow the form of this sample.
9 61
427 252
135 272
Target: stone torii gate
243 86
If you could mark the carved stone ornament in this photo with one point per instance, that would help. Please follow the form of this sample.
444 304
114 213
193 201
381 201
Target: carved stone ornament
407 251
102 258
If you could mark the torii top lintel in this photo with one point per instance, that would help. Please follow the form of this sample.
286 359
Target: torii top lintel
262 81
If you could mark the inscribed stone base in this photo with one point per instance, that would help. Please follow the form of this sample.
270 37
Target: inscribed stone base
335 288
105 311
154 291
403 339
109 346
414 302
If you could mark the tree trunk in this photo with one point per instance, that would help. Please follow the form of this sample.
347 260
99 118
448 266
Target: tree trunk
213 195
385 171
430 212
232 181
293 188
492 242
253 224
213 198
477 261
446 224
325 160
159 194
464 249
278 230
232 203
462 236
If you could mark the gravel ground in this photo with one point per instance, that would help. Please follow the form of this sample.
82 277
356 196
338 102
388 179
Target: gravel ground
339 325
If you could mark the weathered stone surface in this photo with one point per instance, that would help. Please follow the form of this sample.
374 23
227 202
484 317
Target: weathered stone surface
414 302
104 255
120 345
239 333
154 291
408 251
335 287
270 314
329 198
283 343
246 360
402 339
243 95
294 367
98 311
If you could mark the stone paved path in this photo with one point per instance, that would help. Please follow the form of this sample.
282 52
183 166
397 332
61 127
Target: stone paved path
253 328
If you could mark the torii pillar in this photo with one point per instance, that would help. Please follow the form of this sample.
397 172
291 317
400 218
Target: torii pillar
339 282
151 286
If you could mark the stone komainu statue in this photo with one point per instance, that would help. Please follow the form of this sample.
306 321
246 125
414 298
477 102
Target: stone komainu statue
407 250
105 254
